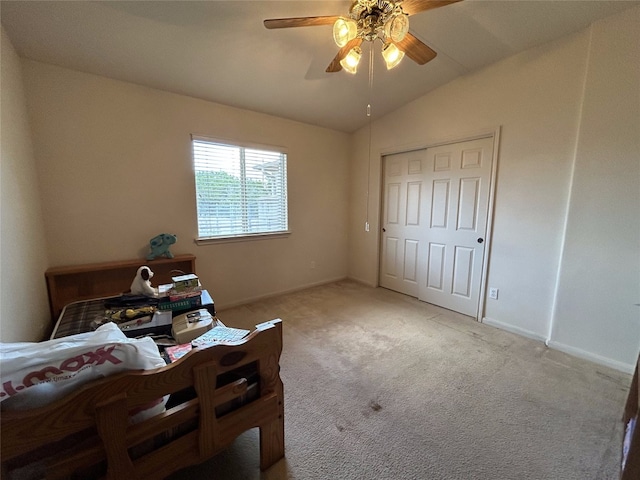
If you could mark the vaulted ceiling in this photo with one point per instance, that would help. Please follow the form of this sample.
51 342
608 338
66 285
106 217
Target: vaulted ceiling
220 50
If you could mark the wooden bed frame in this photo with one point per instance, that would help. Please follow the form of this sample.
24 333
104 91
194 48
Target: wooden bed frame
213 399
72 283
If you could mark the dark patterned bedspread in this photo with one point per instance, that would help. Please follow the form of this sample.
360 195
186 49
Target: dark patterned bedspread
78 317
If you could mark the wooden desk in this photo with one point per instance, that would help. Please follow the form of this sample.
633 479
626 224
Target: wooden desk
83 282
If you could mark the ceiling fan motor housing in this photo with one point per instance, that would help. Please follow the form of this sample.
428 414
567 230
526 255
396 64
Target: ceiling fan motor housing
379 19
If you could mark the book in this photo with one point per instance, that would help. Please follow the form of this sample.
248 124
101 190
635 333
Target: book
185 282
164 289
175 296
188 303
178 351
219 334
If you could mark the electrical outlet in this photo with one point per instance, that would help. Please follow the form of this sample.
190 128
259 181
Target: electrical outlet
493 293
366 226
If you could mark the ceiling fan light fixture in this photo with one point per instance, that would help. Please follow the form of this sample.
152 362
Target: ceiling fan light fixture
344 30
371 20
351 60
392 55
397 27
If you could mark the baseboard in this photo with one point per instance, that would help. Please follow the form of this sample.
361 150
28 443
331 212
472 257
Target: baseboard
513 329
362 282
573 351
280 292
607 362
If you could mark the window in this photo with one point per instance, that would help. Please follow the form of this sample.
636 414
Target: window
240 191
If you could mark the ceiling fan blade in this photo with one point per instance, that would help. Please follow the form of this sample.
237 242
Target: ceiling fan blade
411 7
300 22
335 66
416 50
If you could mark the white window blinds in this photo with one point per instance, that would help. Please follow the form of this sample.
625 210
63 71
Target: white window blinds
240 191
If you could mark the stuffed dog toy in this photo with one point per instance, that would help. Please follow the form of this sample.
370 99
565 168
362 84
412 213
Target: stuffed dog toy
141 285
160 245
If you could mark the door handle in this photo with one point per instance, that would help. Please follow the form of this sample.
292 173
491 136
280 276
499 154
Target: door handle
384 229
480 240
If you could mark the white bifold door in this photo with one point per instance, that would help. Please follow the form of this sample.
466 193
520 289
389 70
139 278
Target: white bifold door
435 208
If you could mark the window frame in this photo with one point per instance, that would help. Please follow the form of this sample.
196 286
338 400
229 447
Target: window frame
246 236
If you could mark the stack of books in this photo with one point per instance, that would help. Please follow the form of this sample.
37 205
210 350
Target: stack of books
184 293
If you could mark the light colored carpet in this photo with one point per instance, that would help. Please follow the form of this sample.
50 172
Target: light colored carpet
381 386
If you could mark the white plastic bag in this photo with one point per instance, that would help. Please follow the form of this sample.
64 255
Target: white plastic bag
35 374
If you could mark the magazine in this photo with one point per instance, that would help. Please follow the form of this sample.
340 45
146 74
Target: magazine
219 334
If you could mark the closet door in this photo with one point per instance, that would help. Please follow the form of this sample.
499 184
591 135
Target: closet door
434 221
402 226
456 206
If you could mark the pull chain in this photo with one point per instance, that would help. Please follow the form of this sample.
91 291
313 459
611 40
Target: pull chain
370 78
366 224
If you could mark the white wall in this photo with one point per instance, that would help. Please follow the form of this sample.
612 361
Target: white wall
24 310
115 167
598 304
115 159
536 97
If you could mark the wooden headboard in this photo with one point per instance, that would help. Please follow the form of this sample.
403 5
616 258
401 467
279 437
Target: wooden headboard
83 282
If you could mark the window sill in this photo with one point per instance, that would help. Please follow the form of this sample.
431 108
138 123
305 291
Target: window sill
241 238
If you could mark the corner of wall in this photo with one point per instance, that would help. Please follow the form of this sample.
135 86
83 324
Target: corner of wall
556 292
24 312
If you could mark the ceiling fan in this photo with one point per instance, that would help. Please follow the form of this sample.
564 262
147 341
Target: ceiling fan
370 20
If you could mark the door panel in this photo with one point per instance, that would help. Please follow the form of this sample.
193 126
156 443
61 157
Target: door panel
391 254
437 254
440 204
458 219
462 271
468 206
414 190
393 203
402 217
411 261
